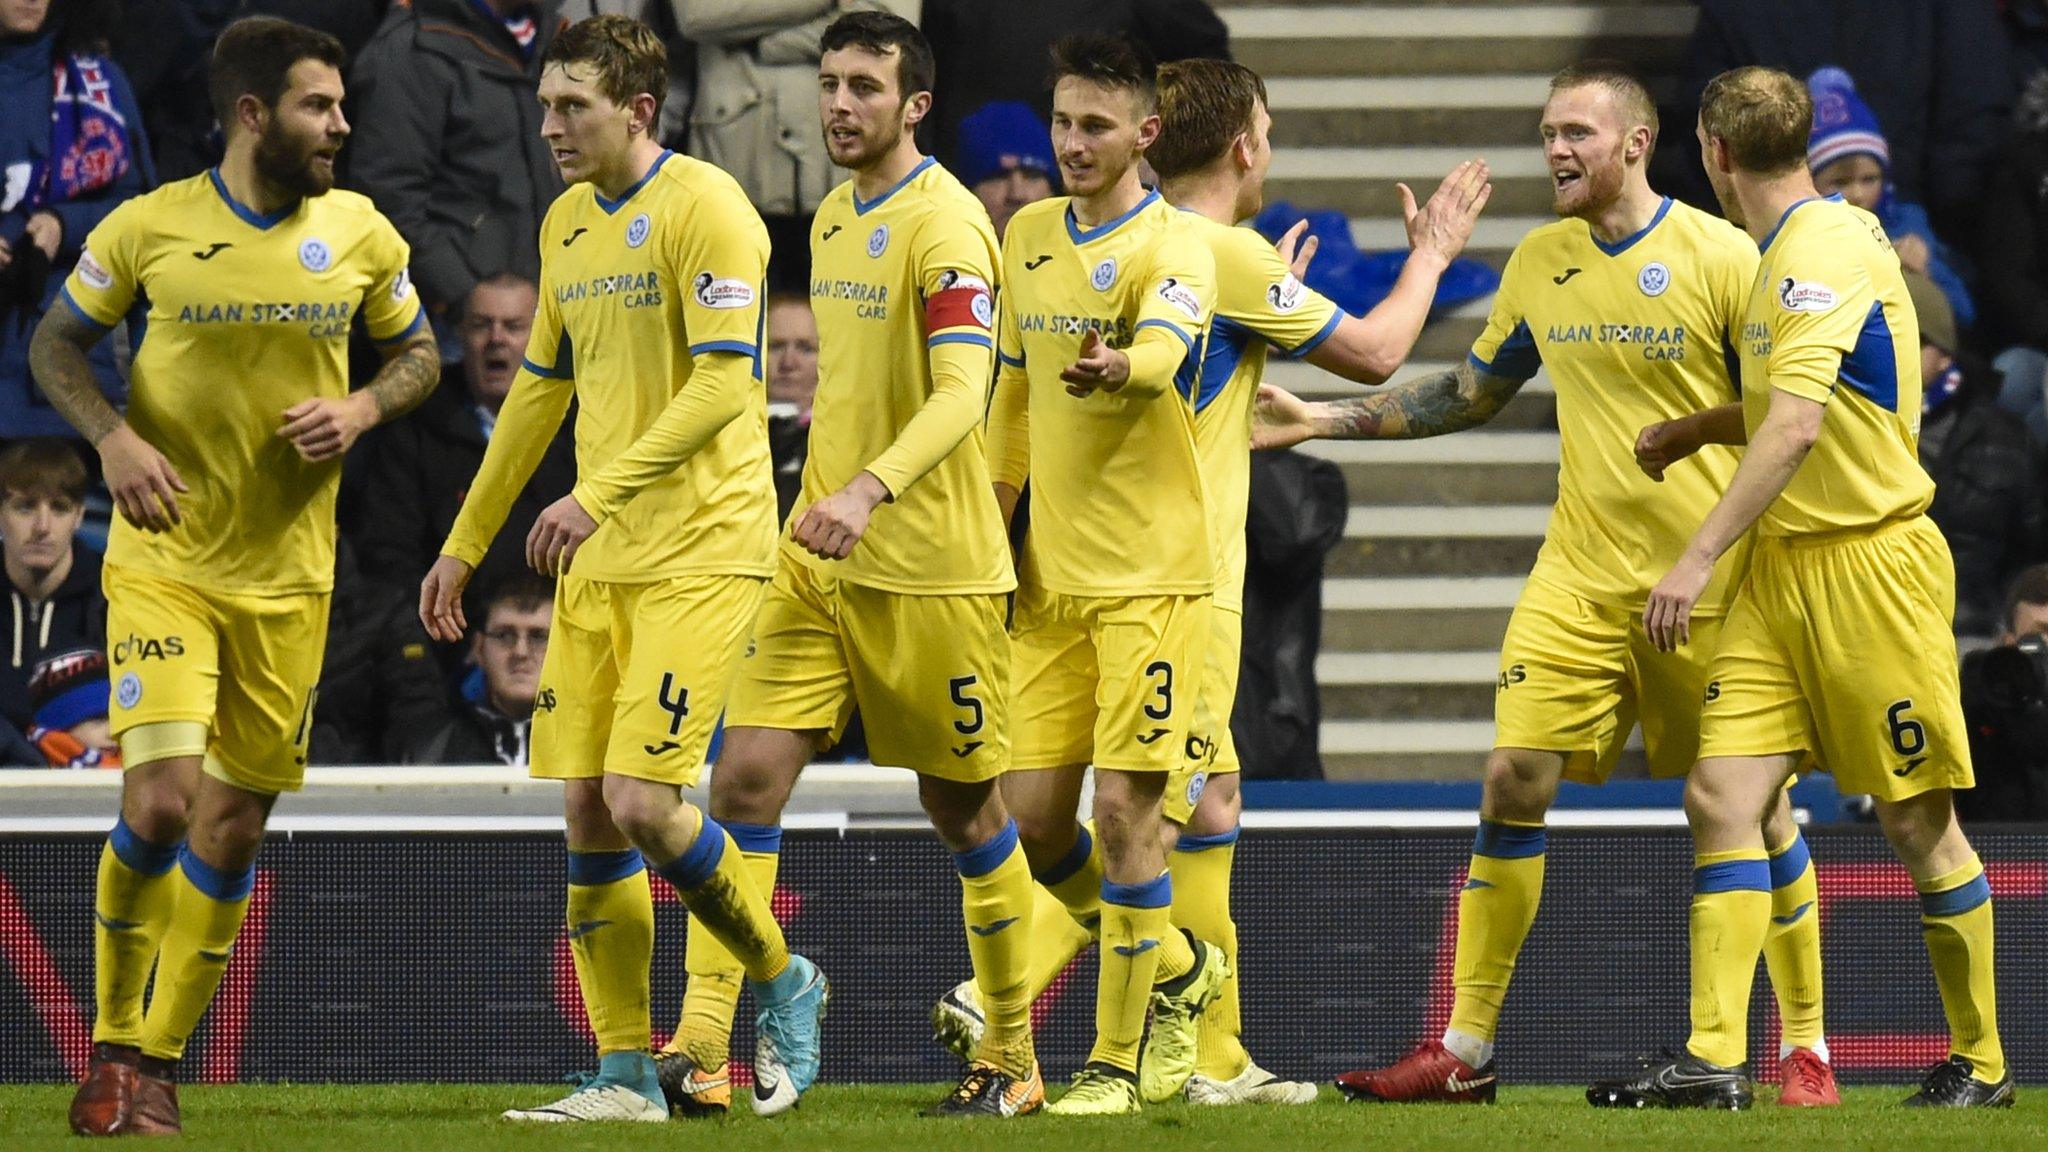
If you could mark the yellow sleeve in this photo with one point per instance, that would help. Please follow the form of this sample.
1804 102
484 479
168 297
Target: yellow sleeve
391 308
715 395
1819 308
1178 300
1506 348
1286 313
1009 414
1732 296
955 270
107 279
527 424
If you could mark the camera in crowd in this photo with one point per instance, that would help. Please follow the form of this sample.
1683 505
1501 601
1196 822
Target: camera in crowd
2005 701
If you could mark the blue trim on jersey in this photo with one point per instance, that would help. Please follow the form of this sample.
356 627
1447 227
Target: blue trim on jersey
988 857
740 346
144 856
1791 863
981 339
419 321
588 868
861 207
1080 235
1309 345
250 215
1190 843
217 883
1516 358
1014 362
1075 859
1733 359
612 206
64 294
1872 366
1620 246
761 332
1732 876
1209 372
1508 841
1765 244
1170 326
757 838
550 373
1154 893
1958 900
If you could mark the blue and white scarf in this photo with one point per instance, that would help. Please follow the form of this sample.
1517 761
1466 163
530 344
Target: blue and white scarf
89 141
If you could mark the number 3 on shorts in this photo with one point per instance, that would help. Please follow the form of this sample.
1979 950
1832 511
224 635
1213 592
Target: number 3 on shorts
1164 670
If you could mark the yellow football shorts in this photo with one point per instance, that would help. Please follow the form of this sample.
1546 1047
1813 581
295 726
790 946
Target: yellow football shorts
1576 676
1109 681
636 675
245 665
930 674
1841 646
1209 750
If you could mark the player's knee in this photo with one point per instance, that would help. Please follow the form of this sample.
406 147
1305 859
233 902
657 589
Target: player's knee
641 809
1519 785
158 813
1717 800
740 791
1917 826
1047 838
589 822
1219 809
965 815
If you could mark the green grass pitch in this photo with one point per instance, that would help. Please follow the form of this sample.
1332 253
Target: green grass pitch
424 1117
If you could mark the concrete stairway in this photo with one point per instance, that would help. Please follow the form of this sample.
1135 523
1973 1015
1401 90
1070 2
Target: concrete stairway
1441 532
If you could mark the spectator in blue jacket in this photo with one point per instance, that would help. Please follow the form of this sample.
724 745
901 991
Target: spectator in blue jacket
71 149
1848 155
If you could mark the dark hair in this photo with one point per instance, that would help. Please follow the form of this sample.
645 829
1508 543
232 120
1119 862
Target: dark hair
1113 61
1765 116
881 33
1618 78
2029 587
520 591
254 56
82 25
1204 105
629 57
42 466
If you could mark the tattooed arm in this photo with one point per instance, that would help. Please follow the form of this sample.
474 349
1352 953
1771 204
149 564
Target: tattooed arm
1451 401
322 429
144 485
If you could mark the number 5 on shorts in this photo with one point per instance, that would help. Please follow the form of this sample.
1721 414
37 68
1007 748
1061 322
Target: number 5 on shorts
959 685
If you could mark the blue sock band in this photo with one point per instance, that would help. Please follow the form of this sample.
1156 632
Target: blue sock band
700 863
217 883
604 867
765 839
1203 843
1507 841
990 856
1075 859
1790 863
1154 893
1732 876
1957 900
143 856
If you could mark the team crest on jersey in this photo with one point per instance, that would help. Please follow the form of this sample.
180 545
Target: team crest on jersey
314 255
878 240
1287 295
1805 295
1104 275
1181 296
1653 279
713 292
128 693
1196 784
89 270
636 232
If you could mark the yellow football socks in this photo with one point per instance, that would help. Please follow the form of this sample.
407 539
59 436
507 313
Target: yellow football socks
1503 886
712 880
1136 921
996 903
1955 920
206 914
711 997
611 939
1792 949
1731 915
1200 867
131 911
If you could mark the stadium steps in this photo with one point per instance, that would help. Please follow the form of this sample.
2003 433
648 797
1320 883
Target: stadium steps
1441 533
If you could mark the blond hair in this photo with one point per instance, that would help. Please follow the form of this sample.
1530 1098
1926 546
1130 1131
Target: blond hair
1763 115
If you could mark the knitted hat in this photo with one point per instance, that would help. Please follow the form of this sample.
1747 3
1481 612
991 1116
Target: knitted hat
1002 135
1843 125
1937 318
70 688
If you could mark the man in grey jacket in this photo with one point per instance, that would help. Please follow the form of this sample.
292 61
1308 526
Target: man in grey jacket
447 140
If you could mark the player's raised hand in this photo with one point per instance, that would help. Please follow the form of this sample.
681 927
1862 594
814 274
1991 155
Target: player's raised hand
1281 419
1660 445
324 428
144 485
1099 368
1443 225
1296 253
441 598
557 533
1667 617
830 528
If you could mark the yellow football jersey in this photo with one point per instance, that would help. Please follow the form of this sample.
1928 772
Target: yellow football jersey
1258 303
903 290
1829 307
1633 333
248 315
1117 506
631 290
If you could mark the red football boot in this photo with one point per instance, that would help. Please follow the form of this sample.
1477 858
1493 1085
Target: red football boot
1806 1081
106 1097
1430 1072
